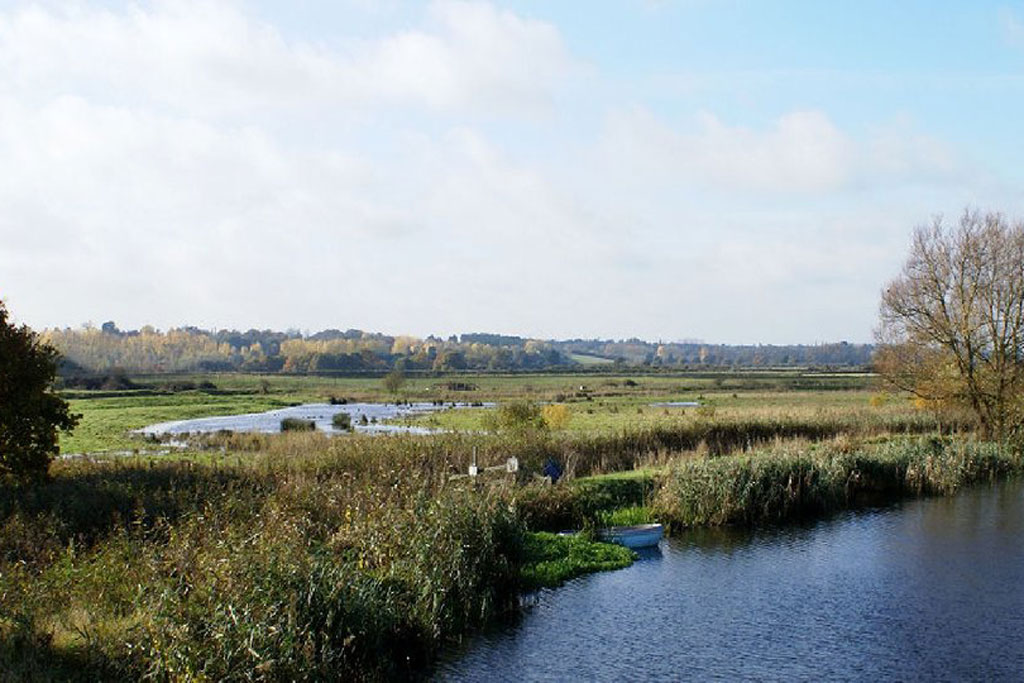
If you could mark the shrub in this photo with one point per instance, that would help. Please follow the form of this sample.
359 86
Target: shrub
295 424
394 380
515 417
556 415
342 421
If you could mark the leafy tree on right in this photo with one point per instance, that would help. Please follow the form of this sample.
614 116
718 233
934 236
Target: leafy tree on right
952 322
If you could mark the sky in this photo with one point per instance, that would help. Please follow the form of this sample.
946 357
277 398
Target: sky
729 171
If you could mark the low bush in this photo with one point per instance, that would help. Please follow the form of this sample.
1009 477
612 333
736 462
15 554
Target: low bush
342 421
294 424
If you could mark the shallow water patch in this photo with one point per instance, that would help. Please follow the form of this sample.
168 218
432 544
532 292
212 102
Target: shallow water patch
367 418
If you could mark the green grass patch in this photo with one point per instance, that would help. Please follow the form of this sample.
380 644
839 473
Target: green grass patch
639 474
590 361
107 422
627 516
607 404
552 559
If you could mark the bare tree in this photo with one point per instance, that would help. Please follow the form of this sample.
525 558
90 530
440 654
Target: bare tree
952 323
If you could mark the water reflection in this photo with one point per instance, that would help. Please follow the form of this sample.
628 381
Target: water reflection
369 418
930 589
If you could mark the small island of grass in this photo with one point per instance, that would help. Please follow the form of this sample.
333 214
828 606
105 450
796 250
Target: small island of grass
552 559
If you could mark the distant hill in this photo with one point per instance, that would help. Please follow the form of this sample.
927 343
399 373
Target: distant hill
189 349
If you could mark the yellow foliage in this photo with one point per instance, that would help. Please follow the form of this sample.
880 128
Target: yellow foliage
928 403
556 415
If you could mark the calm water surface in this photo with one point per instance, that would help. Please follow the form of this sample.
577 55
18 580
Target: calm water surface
926 590
321 414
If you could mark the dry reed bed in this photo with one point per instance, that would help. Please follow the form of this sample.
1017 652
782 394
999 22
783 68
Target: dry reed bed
311 570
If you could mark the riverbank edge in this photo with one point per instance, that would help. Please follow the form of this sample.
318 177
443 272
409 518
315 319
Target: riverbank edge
774 484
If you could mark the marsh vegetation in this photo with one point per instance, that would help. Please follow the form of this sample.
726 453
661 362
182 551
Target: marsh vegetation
300 555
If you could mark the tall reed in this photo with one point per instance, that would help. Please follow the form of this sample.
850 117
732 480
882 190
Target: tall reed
269 570
802 479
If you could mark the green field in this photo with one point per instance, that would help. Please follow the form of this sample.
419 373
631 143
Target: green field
597 403
589 361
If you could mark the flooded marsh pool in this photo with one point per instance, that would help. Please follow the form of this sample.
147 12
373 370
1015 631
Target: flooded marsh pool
367 418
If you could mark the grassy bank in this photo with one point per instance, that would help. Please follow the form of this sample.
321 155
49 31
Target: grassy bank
773 484
292 556
586 454
790 481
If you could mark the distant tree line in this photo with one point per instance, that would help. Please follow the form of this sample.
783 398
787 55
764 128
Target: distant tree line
189 349
697 354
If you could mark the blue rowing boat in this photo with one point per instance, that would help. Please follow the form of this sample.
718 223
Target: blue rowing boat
635 536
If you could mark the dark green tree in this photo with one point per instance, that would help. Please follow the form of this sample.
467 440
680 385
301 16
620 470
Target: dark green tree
395 380
30 413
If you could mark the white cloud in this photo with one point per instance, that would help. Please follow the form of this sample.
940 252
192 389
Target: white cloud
188 163
160 219
127 199
898 151
210 57
151 217
187 154
477 56
801 152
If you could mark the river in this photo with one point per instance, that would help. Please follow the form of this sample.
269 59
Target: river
923 590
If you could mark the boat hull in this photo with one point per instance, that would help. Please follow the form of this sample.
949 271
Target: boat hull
637 536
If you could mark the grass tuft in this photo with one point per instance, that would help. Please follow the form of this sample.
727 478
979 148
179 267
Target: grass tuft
552 559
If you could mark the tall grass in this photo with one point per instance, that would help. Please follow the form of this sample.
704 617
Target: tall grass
295 424
303 571
581 454
587 454
771 484
802 479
